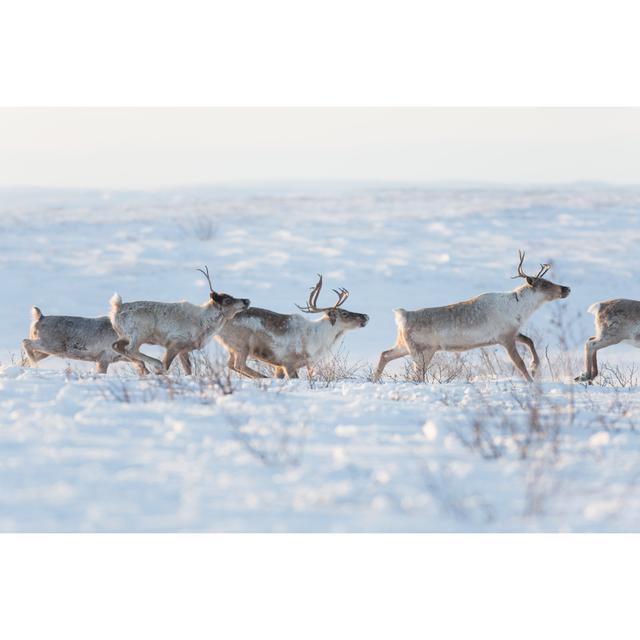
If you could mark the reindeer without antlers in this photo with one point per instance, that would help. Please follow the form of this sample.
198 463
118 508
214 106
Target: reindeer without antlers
179 327
488 319
616 321
73 337
287 342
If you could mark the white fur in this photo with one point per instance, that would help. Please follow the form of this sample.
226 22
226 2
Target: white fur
490 318
115 301
484 320
180 327
401 317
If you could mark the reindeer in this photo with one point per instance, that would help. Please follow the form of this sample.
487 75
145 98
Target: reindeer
74 338
616 321
488 319
287 342
179 327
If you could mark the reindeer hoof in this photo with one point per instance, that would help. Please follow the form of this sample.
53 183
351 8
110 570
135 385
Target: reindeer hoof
583 377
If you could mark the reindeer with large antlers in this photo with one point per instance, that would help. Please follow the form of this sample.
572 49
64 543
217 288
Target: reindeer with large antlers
488 319
179 327
287 342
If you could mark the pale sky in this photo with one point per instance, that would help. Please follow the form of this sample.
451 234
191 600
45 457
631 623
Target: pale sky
154 148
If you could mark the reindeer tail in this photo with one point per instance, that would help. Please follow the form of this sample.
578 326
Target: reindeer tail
401 317
36 314
115 302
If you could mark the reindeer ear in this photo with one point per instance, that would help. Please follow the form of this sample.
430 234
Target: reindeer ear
333 314
530 280
215 297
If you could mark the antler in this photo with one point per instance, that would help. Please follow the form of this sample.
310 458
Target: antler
543 269
205 273
521 273
342 294
313 297
312 307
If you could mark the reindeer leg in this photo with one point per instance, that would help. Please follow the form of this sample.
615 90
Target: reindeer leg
591 348
136 354
586 375
169 357
290 371
132 352
421 360
102 366
30 348
594 363
399 351
183 356
241 367
140 368
535 362
516 359
119 346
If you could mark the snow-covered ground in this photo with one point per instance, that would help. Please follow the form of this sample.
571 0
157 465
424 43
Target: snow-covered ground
477 451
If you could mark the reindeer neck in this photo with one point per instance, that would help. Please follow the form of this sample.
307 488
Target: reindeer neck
327 331
527 300
210 312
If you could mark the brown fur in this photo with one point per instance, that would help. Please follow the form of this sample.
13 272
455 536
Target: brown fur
274 323
284 342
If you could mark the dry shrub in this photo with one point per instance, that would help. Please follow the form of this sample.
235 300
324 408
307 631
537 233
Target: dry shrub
494 428
335 367
116 391
452 499
210 373
620 414
279 443
533 434
560 354
446 368
20 361
624 376
203 227
211 379
443 369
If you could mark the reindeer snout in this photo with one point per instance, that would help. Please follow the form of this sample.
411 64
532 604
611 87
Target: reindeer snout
565 291
365 319
247 302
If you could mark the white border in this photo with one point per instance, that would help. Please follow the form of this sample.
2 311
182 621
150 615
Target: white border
337 52
312 586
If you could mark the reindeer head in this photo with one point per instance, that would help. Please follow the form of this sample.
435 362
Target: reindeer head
344 319
226 304
546 288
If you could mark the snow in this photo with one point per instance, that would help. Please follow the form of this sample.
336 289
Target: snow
480 451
